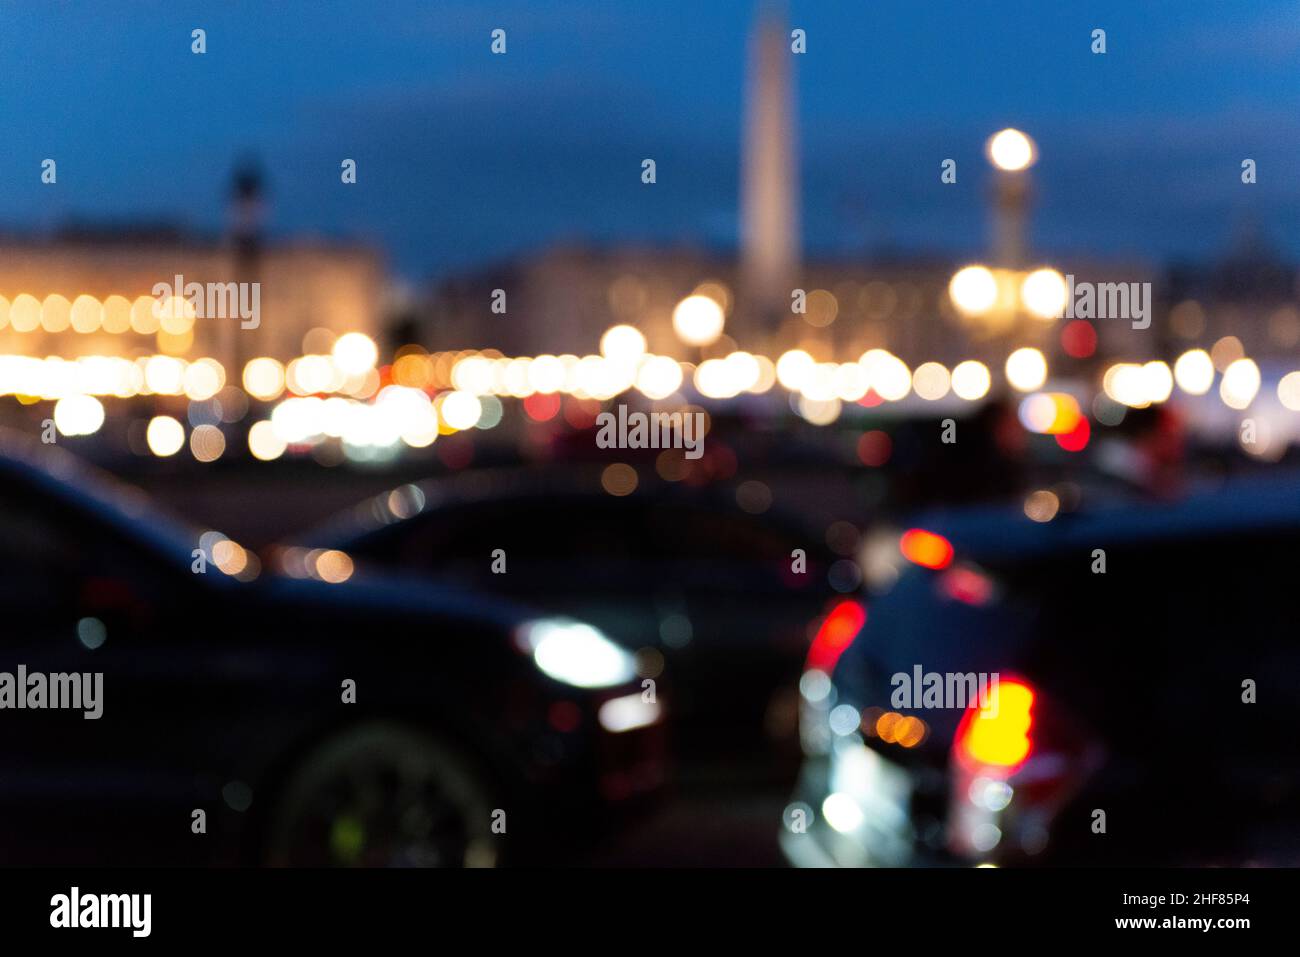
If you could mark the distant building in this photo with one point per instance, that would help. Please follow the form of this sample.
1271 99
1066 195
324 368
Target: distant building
563 300
302 287
88 290
1250 294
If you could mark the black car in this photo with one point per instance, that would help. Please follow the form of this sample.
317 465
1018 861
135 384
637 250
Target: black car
1145 707
708 595
248 717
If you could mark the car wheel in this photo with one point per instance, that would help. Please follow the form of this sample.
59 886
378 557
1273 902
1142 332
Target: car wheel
383 795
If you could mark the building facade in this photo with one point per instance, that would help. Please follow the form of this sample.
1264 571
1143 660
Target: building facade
92 297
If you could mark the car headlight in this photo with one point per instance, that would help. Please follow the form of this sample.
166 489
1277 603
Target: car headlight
576 653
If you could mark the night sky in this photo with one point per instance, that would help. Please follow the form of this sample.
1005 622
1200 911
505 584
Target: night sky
465 157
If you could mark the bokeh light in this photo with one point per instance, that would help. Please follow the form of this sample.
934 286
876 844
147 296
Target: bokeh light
698 320
1026 369
1011 150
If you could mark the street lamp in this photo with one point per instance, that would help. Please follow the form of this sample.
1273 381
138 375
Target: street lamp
996 297
974 290
1012 153
698 320
1043 293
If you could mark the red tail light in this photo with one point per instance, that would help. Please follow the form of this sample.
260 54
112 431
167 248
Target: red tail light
998 738
1015 764
925 548
835 634
966 585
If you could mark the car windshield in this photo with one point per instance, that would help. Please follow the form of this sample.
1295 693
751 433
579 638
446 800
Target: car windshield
962 619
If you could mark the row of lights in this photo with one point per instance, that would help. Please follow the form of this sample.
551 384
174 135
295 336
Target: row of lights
1138 385
350 369
145 315
55 378
340 395
625 365
978 290
408 414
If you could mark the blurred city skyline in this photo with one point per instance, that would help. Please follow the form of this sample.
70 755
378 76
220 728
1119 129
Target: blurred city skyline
465 158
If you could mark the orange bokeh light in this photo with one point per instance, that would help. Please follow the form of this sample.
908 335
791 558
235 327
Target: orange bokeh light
926 548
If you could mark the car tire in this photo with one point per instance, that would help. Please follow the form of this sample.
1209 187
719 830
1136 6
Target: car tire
383 795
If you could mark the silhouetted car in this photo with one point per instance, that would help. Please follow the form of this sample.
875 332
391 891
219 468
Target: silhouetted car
1145 710
309 722
684 577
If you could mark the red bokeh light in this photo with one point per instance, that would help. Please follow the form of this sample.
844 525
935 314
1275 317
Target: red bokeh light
875 448
835 634
542 408
1079 339
1076 440
581 413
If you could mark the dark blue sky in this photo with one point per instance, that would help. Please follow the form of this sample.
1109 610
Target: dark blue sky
465 157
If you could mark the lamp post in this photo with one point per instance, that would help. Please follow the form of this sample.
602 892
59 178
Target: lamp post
1012 153
246 210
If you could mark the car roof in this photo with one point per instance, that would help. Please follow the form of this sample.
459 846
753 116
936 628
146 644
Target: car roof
527 487
1236 505
75 483
70 480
